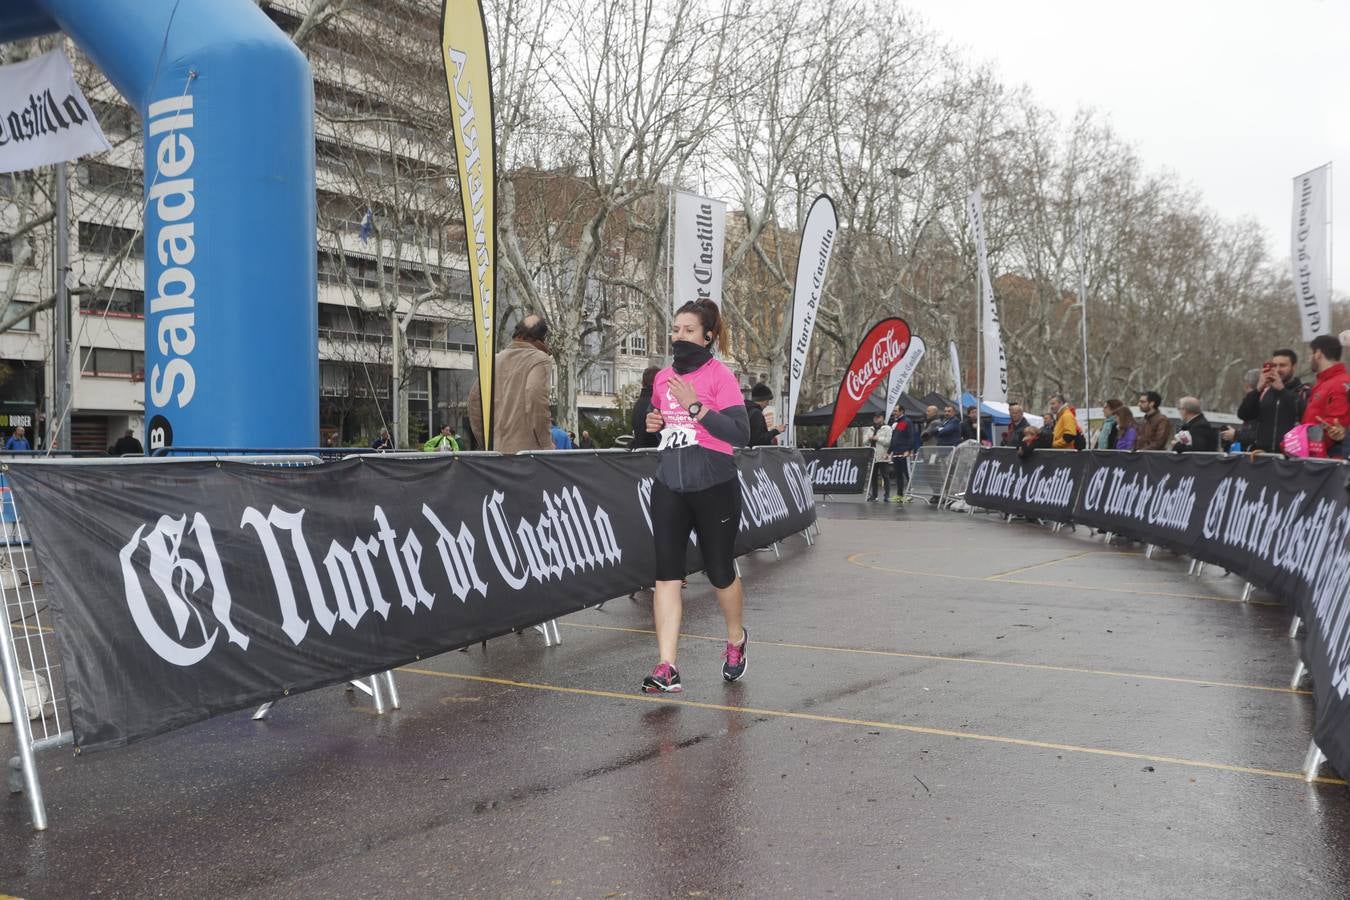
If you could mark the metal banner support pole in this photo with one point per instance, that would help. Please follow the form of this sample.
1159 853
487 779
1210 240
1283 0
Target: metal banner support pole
23 734
1294 625
1300 671
1313 761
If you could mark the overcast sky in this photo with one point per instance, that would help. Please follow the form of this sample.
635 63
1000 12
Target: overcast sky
1236 97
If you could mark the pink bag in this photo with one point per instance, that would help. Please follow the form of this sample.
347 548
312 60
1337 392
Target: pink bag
1304 441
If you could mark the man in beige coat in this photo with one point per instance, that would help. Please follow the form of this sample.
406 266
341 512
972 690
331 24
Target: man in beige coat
520 418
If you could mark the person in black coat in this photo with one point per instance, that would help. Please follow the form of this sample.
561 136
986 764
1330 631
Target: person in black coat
1195 435
1276 404
760 433
641 406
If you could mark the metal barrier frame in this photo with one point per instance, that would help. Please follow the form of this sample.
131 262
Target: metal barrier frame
925 457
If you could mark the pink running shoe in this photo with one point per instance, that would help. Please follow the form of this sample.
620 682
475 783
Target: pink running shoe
665 679
735 664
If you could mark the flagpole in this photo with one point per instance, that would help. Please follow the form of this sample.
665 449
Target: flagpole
1082 302
979 341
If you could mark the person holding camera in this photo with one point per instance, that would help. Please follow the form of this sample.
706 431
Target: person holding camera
1277 402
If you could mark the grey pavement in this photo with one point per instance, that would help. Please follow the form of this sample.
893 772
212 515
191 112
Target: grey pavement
937 705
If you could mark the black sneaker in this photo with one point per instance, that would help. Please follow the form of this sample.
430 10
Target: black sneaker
734 666
665 679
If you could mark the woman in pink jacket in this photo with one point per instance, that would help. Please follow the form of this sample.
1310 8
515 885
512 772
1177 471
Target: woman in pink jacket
698 409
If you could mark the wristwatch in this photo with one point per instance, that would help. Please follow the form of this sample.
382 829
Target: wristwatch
695 408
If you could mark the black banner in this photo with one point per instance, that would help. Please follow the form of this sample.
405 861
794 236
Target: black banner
186 589
839 470
1042 486
1283 525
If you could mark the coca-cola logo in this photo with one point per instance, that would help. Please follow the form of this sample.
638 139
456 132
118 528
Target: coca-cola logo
885 353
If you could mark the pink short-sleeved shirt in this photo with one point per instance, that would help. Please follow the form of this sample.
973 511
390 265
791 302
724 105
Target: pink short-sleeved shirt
717 390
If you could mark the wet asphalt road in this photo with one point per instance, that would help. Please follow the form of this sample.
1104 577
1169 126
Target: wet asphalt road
936 706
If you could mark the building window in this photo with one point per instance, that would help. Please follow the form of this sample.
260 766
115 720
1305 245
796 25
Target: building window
634 345
15 307
599 380
108 179
124 303
110 240
106 362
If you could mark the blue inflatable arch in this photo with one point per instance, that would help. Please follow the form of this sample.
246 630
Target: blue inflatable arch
227 112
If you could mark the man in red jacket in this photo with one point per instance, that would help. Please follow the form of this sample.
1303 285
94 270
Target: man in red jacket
1329 404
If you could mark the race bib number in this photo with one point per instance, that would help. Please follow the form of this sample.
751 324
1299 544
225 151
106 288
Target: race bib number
675 436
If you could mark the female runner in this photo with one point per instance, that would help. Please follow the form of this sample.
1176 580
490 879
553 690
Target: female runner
700 413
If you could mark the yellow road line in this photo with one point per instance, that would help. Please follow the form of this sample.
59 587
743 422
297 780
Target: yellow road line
1052 562
935 657
854 560
881 726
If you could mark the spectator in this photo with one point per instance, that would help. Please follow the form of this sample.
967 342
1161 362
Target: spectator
1110 432
931 422
643 405
1017 425
1155 432
127 445
383 442
771 423
1124 428
1329 405
948 432
905 439
332 439
879 439
561 439
1031 437
1065 434
445 442
760 433
17 441
1277 402
1195 433
522 372
972 429
1243 436
587 442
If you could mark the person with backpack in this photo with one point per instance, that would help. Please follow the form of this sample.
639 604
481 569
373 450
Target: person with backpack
1066 434
445 442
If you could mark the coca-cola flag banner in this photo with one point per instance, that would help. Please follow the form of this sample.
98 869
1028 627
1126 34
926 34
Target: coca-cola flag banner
880 351
839 470
699 240
44 118
1282 525
473 117
995 385
903 372
813 264
186 589
1310 252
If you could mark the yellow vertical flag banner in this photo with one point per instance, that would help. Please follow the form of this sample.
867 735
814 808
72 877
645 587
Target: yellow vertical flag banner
468 78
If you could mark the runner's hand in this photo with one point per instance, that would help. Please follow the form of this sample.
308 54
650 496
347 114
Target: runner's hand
655 421
682 390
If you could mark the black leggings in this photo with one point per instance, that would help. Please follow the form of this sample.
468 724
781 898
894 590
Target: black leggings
714 513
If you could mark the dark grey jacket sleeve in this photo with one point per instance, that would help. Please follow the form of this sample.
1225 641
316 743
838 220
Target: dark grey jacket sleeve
731 425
